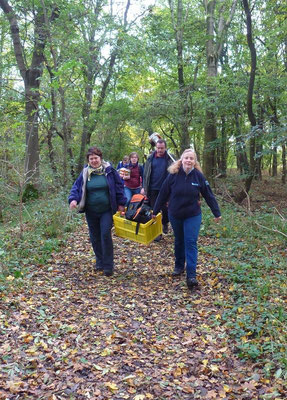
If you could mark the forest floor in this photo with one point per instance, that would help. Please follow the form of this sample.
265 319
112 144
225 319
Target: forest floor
71 333
266 193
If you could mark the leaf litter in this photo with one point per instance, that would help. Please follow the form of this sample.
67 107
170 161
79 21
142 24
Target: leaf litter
71 333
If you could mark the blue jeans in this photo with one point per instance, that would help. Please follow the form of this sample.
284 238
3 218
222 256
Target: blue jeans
129 192
100 227
186 233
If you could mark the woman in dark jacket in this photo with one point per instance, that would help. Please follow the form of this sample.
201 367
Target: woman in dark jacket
99 192
182 189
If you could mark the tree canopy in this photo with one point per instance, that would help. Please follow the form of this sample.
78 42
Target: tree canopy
208 75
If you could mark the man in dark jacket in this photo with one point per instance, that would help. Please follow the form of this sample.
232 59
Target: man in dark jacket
155 172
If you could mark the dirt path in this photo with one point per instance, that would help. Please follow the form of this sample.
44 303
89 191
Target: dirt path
74 334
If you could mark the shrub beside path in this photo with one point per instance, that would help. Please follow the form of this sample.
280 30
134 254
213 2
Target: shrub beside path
70 333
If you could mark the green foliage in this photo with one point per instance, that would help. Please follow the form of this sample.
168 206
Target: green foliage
47 223
30 193
142 92
253 260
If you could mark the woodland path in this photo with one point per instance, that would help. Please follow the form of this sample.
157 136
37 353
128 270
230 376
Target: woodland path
71 333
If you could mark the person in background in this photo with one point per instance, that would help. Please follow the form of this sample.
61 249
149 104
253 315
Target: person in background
124 163
182 189
155 172
133 183
99 192
122 168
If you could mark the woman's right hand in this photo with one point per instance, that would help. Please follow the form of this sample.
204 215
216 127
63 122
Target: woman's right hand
73 204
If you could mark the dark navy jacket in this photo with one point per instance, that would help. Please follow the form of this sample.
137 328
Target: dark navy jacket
183 195
148 168
116 189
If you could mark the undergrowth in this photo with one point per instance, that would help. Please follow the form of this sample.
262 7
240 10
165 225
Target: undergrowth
252 250
46 223
252 255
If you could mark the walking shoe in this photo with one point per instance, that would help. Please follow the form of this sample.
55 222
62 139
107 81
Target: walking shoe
165 229
108 272
177 272
98 268
192 283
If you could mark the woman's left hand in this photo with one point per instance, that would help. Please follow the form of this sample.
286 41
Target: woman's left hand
121 208
217 219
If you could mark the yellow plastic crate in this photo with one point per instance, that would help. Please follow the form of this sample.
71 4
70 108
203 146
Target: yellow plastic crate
146 234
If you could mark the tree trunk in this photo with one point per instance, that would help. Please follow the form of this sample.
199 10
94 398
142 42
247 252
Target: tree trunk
285 54
252 145
210 131
214 45
275 124
251 115
259 146
31 77
223 151
185 114
32 126
274 161
259 157
86 111
284 163
90 119
242 159
51 133
66 133
2 42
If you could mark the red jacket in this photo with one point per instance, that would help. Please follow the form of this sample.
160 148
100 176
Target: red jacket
135 180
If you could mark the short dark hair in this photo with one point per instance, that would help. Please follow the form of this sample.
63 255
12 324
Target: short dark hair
94 150
160 141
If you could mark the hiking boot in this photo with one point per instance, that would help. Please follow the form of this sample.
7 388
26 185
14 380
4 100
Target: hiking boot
177 272
192 283
165 229
108 272
98 268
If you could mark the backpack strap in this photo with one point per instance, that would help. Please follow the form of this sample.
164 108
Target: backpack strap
137 212
137 227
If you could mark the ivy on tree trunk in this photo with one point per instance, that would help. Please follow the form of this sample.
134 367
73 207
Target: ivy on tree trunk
31 76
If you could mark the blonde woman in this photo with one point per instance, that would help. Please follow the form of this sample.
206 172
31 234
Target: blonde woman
182 189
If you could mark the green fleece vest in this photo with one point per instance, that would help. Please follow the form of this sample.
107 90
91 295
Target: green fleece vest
98 198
